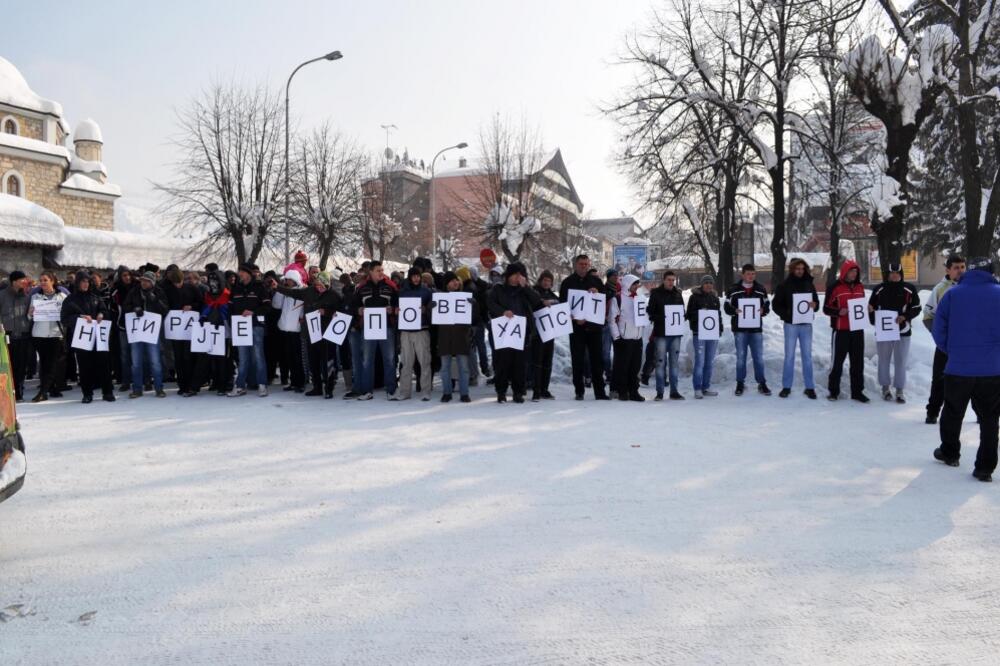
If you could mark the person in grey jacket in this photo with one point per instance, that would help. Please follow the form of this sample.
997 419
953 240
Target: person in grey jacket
14 304
48 337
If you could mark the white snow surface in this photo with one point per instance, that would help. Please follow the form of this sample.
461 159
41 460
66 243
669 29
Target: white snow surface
14 469
88 130
34 145
79 181
95 248
22 221
14 90
292 530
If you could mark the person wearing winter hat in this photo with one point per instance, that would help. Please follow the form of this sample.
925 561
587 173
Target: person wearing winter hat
846 343
250 298
454 346
378 291
493 272
14 303
900 297
628 337
185 297
215 310
415 346
798 281
146 298
586 340
290 326
510 299
955 268
543 352
299 266
323 296
703 298
967 329
94 366
752 339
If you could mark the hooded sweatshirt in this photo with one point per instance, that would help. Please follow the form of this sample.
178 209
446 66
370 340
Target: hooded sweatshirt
967 326
621 313
842 292
291 308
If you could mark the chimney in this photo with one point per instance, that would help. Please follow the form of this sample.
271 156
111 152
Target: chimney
462 162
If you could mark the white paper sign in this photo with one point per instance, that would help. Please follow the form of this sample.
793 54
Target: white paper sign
410 317
748 312
208 339
577 299
639 305
441 311
673 320
802 309
886 326
314 326
461 305
709 324
177 325
857 314
242 331
143 329
84 335
509 333
338 328
375 325
596 311
103 336
553 322
47 310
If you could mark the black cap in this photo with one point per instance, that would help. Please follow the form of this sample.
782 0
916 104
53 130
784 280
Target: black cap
17 275
980 264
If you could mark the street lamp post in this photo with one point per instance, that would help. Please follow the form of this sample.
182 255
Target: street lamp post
333 55
460 146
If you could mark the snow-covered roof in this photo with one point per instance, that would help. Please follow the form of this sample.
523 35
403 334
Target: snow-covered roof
80 182
80 165
19 142
95 248
22 221
14 90
88 130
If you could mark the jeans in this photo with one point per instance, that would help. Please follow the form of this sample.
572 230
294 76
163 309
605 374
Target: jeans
803 335
667 350
463 374
606 345
149 353
755 342
356 341
704 355
984 393
895 352
387 348
252 356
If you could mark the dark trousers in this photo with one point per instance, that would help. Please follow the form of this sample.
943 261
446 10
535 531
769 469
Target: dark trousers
649 361
21 351
49 351
936 399
274 354
541 353
322 366
292 358
585 345
625 367
508 369
183 365
69 364
848 344
95 371
213 369
984 393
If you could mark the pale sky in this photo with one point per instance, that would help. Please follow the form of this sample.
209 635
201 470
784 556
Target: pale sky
437 69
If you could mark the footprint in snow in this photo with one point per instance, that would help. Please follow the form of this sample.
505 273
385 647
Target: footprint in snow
13 611
86 618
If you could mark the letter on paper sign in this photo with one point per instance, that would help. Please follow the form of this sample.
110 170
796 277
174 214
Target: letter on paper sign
242 331
84 335
886 326
553 322
673 323
314 326
577 299
639 305
103 336
709 324
857 314
596 312
748 312
143 329
443 312
509 333
461 307
409 314
177 325
375 325
337 330
802 309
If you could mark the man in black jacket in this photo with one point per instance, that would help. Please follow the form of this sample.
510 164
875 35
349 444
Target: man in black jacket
147 298
586 339
900 297
377 291
748 337
665 348
799 281
511 298
250 298
182 296
14 303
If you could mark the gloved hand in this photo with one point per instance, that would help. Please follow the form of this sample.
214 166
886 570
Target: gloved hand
139 312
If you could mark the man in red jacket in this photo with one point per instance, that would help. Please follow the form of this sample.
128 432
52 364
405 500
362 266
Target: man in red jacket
846 343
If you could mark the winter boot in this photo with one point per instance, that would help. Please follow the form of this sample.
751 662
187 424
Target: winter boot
659 396
674 395
939 456
985 477
861 397
739 388
810 393
785 392
698 395
900 398
763 389
886 394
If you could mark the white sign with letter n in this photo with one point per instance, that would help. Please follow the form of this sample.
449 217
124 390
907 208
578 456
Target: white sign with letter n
375 325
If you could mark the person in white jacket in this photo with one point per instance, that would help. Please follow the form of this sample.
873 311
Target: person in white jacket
627 339
290 325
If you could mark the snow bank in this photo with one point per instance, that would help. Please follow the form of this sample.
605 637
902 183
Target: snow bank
14 90
22 221
95 248
34 145
79 181
15 468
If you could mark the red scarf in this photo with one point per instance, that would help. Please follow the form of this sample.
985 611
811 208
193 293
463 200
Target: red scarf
217 301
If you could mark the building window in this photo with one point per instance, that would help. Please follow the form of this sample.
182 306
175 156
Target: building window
13 184
9 125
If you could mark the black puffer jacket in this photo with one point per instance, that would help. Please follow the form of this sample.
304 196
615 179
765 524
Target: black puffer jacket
659 298
898 296
585 283
699 300
522 301
783 301
81 304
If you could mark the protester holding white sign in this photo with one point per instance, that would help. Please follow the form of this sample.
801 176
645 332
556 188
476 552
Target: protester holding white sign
185 303
894 304
289 328
511 307
47 334
706 325
848 341
82 312
453 343
552 321
666 313
627 335
148 299
321 300
747 303
796 302
587 340
375 302
212 365
415 337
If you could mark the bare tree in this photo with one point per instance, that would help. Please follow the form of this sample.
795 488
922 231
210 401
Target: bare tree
229 185
327 196
382 215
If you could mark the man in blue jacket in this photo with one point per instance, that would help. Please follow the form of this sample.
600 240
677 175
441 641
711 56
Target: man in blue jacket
967 329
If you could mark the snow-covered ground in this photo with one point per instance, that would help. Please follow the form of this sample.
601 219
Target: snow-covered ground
289 530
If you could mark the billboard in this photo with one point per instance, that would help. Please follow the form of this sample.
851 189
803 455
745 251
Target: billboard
909 262
632 260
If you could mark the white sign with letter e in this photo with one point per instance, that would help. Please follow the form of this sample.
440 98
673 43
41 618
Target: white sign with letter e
639 306
242 331
857 313
886 326
103 336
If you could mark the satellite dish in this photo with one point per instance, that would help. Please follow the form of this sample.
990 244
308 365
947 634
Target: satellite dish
388 153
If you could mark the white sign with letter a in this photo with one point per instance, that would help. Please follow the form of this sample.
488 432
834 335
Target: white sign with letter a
509 333
639 306
553 322
886 326
857 313
409 313
338 328
748 312
314 326
242 331
177 325
375 325
84 334
709 324
143 329
673 320
802 309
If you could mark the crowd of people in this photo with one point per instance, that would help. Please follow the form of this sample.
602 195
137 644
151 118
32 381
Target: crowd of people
613 357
